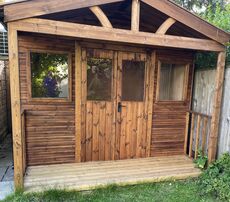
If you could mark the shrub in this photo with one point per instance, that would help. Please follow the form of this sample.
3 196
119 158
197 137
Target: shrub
216 179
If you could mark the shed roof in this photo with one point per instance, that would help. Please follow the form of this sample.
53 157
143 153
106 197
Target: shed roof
20 9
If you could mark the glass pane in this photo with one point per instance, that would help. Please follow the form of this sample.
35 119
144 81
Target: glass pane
133 76
49 75
99 79
172 81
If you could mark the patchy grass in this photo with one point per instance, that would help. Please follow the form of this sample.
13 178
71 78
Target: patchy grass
175 191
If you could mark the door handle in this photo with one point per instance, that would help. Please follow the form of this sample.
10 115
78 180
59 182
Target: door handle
119 107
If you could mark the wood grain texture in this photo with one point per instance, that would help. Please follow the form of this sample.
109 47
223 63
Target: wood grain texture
135 18
214 132
182 15
43 7
16 107
78 96
116 35
101 16
169 117
50 126
165 26
104 173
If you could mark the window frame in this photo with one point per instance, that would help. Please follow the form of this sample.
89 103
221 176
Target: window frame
29 79
185 83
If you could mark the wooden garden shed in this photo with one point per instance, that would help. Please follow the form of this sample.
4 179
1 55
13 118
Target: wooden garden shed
101 90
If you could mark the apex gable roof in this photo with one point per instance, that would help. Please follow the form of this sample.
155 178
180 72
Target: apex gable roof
22 9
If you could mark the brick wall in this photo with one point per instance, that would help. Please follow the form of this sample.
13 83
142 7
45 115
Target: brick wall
4 109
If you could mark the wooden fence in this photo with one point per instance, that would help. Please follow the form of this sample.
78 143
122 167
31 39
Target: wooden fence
203 100
4 113
197 133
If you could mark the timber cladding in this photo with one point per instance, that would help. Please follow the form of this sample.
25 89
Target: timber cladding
169 117
50 127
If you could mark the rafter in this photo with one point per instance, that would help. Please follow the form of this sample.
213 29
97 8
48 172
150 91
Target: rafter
43 7
111 34
135 19
165 26
101 16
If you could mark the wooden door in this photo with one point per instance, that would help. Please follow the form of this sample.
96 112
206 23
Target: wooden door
134 101
115 109
98 104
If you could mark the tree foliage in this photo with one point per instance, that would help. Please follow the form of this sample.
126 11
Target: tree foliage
191 4
217 12
45 73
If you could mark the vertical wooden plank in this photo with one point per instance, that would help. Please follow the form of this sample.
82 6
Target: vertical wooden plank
123 131
133 137
214 132
89 126
108 131
145 114
15 107
130 110
118 118
83 105
191 135
135 18
151 70
114 106
197 135
78 98
204 134
96 116
186 132
101 132
23 141
139 130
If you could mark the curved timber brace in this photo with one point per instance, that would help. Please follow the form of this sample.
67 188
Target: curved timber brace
165 26
101 16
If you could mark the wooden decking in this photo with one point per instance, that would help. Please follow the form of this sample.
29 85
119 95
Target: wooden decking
84 176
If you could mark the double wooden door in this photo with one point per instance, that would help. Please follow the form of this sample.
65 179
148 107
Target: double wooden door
116 104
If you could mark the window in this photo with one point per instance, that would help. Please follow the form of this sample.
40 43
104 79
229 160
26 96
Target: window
133 76
171 82
49 75
99 79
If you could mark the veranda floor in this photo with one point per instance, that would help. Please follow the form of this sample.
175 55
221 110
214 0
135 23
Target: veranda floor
89 175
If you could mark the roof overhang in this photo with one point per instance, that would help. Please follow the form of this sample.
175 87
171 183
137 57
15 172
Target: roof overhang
22 9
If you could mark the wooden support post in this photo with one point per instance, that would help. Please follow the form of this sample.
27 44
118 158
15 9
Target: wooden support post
191 135
186 132
197 135
77 102
152 59
135 20
213 139
15 107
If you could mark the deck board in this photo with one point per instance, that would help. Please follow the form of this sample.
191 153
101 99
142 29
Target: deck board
89 175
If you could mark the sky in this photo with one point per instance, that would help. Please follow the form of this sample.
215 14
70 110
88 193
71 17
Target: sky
1 27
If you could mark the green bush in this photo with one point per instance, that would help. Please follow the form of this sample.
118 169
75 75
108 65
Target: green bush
216 179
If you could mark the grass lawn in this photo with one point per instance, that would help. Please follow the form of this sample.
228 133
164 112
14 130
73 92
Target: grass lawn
175 191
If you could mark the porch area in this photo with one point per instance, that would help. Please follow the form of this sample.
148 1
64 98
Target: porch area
90 175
